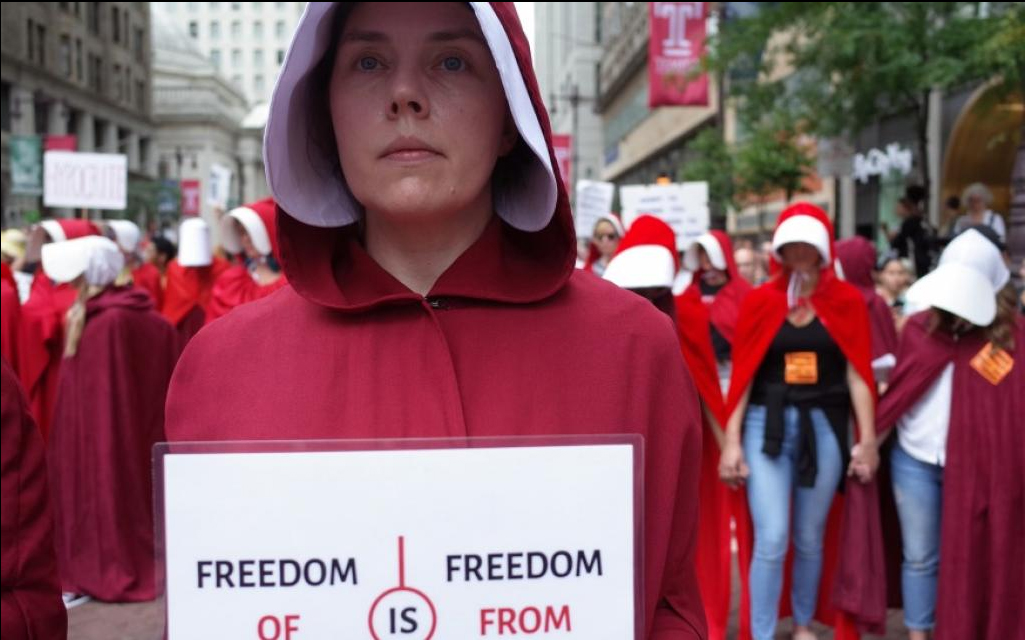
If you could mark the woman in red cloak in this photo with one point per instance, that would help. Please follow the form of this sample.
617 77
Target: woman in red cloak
956 401
429 249
857 257
190 279
250 232
801 364
118 358
42 320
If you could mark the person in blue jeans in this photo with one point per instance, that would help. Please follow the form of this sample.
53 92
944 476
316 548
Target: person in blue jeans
792 393
956 402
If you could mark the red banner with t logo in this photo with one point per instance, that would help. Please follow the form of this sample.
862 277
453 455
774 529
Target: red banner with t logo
675 45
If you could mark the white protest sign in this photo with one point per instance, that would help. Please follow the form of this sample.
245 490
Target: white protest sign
416 544
594 201
85 180
683 206
220 185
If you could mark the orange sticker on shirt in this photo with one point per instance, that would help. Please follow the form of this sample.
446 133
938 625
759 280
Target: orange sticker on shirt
802 367
992 364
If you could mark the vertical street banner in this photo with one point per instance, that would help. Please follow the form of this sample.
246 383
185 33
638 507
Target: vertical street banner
675 45
27 165
190 197
168 197
563 144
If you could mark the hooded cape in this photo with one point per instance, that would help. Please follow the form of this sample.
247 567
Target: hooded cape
511 340
858 257
852 590
982 526
725 308
109 415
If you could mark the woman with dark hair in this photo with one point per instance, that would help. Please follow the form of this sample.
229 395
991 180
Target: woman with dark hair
955 402
429 249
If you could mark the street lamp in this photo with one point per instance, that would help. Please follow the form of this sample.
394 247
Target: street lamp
574 99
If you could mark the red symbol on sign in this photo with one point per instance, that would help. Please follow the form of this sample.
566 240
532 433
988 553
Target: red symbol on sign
403 612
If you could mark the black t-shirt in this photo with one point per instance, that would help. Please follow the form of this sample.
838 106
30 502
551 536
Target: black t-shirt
831 363
719 344
914 240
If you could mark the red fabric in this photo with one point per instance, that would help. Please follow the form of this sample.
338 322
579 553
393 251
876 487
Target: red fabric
857 256
236 287
42 345
78 228
187 295
109 415
852 584
346 351
30 600
147 278
10 316
725 307
713 552
983 524
266 209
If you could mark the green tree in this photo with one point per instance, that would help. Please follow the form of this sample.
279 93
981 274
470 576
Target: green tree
712 163
836 67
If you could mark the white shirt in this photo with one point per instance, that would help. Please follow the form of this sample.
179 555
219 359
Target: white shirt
922 432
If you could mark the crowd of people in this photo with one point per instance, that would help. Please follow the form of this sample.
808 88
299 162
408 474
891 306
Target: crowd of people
416 275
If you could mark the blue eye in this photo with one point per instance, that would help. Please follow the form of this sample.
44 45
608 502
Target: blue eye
367 63
453 63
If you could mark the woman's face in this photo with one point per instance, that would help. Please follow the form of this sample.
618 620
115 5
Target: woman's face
606 238
248 248
800 256
894 277
976 203
418 109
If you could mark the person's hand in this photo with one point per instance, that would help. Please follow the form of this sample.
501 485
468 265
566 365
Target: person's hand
864 461
733 469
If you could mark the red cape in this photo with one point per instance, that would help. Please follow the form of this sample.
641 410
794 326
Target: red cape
852 589
187 296
858 257
42 346
147 278
30 602
10 317
713 553
982 556
236 287
725 308
346 351
109 415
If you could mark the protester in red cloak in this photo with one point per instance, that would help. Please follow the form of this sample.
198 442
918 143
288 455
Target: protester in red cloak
30 602
957 464
119 354
707 314
857 258
801 360
433 290
10 315
42 320
608 231
250 231
190 280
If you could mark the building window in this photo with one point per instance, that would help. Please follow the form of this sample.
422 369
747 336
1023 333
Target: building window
257 6
31 42
215 57
279 29
236 58
119 87
281 56
193 28
78 60
236 6
236 29
214 6
5 107
140 94
128 85
215 30
258 29
115 24
258 58
237 81
65 56
95 69
258 83
92 17
140 48
193 7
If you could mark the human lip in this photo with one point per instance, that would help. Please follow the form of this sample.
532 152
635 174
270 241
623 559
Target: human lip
409 149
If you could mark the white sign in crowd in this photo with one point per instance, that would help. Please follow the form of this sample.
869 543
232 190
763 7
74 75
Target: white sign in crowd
683 206
85 180
412 543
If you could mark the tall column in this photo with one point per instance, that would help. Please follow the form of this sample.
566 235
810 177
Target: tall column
85 132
